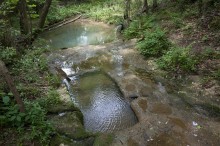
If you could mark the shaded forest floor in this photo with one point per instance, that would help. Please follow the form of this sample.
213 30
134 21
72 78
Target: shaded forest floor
202 34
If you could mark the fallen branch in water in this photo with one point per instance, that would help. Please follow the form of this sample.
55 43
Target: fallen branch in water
59 24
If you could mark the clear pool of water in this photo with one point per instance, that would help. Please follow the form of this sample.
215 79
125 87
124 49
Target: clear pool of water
79 33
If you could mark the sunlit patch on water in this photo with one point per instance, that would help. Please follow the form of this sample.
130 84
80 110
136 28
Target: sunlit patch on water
78 33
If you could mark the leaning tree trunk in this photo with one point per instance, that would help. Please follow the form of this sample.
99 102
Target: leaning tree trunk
44 13
145 7
24 23
5 73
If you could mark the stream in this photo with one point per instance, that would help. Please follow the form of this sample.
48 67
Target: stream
78 34
119 91
97 96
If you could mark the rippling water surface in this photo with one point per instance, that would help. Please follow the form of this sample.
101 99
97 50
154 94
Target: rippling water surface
102 104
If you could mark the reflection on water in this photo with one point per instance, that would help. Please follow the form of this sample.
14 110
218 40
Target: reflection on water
78 34
102 104
98 97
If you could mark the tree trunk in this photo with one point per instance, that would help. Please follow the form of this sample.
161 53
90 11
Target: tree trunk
5 73
126 12
24 24
145 7
126 9
44 13
200 7
154 5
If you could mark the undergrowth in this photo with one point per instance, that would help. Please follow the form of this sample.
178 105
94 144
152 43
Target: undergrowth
154 44
152 33
106 11
33 81
178 60
30 125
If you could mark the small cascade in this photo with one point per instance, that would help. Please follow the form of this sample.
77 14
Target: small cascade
85 74
98 97
118 62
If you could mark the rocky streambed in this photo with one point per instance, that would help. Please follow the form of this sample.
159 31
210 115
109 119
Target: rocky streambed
112 82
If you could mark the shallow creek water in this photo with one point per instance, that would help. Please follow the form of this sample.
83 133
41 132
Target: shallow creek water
102 103
79 33
105 79
103 106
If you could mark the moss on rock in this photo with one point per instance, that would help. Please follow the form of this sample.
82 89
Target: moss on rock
61 107
65 141
103 140
69 124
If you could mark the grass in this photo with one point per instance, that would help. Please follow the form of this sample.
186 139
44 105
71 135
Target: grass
103 140
178 60
107 11
154 44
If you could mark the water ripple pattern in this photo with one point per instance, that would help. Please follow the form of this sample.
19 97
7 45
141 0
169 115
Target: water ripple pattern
102 104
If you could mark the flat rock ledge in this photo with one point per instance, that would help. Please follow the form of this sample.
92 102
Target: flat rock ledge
68 122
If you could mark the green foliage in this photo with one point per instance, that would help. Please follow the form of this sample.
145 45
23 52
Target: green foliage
51 98
139 26
30 92
7 7
103 140
208 53
8 54
53 80
216 75
32 121
178 59
32 64
106 11
215 23
59 13
40 128
134 30
154 44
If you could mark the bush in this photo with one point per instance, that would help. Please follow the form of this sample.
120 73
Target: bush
138 26
106 11
133 30
31 65
178 59
52 98
216 75
154 44
8 54
31 124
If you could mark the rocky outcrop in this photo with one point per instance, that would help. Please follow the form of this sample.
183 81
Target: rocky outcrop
164 118
68 123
